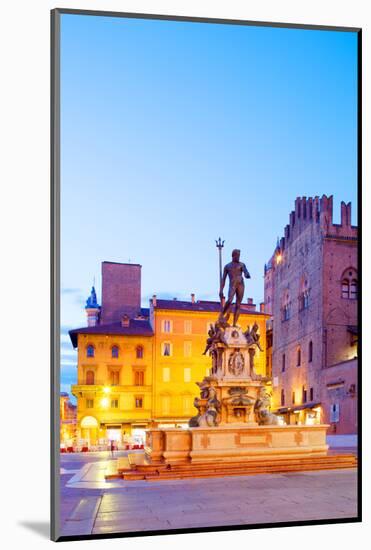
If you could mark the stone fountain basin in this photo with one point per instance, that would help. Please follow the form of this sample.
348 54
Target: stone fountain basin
234 442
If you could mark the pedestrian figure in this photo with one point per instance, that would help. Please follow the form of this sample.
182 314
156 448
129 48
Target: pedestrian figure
112 447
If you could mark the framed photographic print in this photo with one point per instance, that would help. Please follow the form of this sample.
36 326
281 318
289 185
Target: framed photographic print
206 277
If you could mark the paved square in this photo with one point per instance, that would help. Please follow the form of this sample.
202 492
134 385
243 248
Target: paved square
90 505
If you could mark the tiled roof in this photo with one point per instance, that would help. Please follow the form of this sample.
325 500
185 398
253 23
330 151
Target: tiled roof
200 305
136 328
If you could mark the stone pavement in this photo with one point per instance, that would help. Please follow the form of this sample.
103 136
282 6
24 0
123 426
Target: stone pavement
92 506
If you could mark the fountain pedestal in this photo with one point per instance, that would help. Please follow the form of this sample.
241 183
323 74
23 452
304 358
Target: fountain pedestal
233 421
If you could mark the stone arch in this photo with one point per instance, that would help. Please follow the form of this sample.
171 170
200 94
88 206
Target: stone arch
337 314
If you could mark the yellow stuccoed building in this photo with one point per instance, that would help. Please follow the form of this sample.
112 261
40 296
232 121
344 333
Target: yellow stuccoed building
140 371
180 333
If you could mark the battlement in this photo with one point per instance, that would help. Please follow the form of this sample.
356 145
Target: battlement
319 212
315 212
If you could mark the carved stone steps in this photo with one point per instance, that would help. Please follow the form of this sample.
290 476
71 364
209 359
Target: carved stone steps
248 470
259 462
204 470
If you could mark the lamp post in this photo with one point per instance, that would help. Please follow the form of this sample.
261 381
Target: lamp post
219 245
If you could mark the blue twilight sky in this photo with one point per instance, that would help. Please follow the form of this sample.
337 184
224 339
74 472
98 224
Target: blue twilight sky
174 133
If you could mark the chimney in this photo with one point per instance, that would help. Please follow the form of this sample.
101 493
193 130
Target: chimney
262 307
193 299
125 321
250 301
175 299
154 300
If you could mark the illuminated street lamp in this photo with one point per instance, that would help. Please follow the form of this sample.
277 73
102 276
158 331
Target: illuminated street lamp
104 402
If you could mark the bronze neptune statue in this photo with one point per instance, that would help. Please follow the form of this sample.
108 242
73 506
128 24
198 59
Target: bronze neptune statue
235 270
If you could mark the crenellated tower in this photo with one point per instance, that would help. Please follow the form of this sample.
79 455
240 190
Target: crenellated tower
311 291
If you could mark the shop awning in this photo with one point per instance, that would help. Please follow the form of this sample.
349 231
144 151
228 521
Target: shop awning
310 405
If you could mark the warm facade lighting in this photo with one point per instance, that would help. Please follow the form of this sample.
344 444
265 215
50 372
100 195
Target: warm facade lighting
107 389
279 258
104 402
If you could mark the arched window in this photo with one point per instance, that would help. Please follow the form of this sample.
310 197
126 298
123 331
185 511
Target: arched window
310 352
354 290
349 284
90 351
298 357
304 294
139 352
345 288
286 308
115 352
90 376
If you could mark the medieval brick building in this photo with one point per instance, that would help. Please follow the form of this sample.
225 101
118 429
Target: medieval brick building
311 291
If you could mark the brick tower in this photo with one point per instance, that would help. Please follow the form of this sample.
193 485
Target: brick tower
311 286
121 287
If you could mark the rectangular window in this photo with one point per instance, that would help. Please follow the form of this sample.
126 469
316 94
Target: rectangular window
115 378
187 327
304 395
335 412
283 363
165 404
90 403
139 402
187 404
114 404
166 349
353 290
187 349
167 325
311 394
293 398
282 398
166 374
138 378
345 289
187 374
